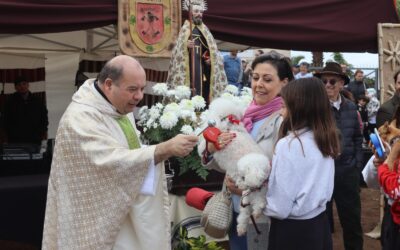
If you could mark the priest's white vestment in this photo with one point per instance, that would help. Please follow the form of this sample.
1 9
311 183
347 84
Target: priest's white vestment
94 197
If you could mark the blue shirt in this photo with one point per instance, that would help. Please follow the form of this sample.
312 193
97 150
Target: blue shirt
233 69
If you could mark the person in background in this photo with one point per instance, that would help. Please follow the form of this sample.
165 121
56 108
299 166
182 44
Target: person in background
387 109
246 74
304 155
25 116
346 191
295 69
372 108
357 87
262 120
258 53
303 71
362 110
233 68
106 190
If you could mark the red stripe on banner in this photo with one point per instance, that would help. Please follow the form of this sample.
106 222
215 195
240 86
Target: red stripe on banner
155 75
32 75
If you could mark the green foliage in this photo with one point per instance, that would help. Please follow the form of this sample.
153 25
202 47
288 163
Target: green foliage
296 59
149 48
339 58
398 8
192 162
167 20
194 243
132 20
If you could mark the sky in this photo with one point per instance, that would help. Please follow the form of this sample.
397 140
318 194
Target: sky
358 60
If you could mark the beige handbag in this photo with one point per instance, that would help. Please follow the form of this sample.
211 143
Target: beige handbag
217 215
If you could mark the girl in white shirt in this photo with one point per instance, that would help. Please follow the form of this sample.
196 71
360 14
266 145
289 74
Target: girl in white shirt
302 177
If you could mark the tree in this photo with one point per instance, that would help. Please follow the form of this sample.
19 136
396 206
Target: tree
317 59
296 59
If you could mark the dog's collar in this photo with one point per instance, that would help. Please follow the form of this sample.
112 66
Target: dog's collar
232 119
250 190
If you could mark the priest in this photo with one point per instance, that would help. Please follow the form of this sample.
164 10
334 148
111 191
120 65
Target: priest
106 190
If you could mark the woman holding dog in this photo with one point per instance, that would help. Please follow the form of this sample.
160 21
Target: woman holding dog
302 177
262 119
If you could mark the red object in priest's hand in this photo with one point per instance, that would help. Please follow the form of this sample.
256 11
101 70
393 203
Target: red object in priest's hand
211 135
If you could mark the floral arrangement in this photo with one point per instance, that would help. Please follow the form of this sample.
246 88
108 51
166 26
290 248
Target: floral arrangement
180 113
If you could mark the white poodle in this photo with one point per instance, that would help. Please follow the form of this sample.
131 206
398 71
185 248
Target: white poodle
242 159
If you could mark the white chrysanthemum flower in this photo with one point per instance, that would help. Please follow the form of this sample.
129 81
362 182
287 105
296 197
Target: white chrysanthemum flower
144 129
186 114
155 125
143 111
227 95
168 120
246 91
159 105
154 112
186 104
232 89
160 89
198 102
149 123
182 92
171 93
187 129
172 107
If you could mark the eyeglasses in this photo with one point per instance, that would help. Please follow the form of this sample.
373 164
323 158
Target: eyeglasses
331 81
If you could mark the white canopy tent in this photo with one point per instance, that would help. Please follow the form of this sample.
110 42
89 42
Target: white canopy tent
63 52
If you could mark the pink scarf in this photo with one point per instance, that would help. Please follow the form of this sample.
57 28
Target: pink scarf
256 112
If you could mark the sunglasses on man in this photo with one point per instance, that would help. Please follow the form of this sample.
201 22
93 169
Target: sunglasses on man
331 81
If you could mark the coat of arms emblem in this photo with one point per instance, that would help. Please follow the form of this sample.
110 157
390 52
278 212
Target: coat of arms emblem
151 25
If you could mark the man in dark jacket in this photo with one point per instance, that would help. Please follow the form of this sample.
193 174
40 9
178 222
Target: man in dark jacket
357 87
25 116
347 167
387 110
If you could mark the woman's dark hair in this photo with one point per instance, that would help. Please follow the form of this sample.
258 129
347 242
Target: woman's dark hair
308 106
278 61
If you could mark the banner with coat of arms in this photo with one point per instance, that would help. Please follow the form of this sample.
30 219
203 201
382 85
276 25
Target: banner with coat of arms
148 28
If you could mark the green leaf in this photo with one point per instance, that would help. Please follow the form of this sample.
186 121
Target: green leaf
132 20
149 48
167 20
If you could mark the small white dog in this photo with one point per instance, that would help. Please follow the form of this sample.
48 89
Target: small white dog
242 159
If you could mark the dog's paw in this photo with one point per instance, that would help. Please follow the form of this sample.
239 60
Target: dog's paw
241 229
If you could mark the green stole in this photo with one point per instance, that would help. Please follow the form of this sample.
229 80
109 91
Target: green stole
129 131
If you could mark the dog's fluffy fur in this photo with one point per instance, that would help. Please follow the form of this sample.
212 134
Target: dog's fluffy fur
242 159
391 134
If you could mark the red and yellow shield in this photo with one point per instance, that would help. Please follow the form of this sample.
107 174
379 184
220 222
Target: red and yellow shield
150 22
148 28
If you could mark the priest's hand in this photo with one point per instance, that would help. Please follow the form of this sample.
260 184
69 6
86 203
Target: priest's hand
180 146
